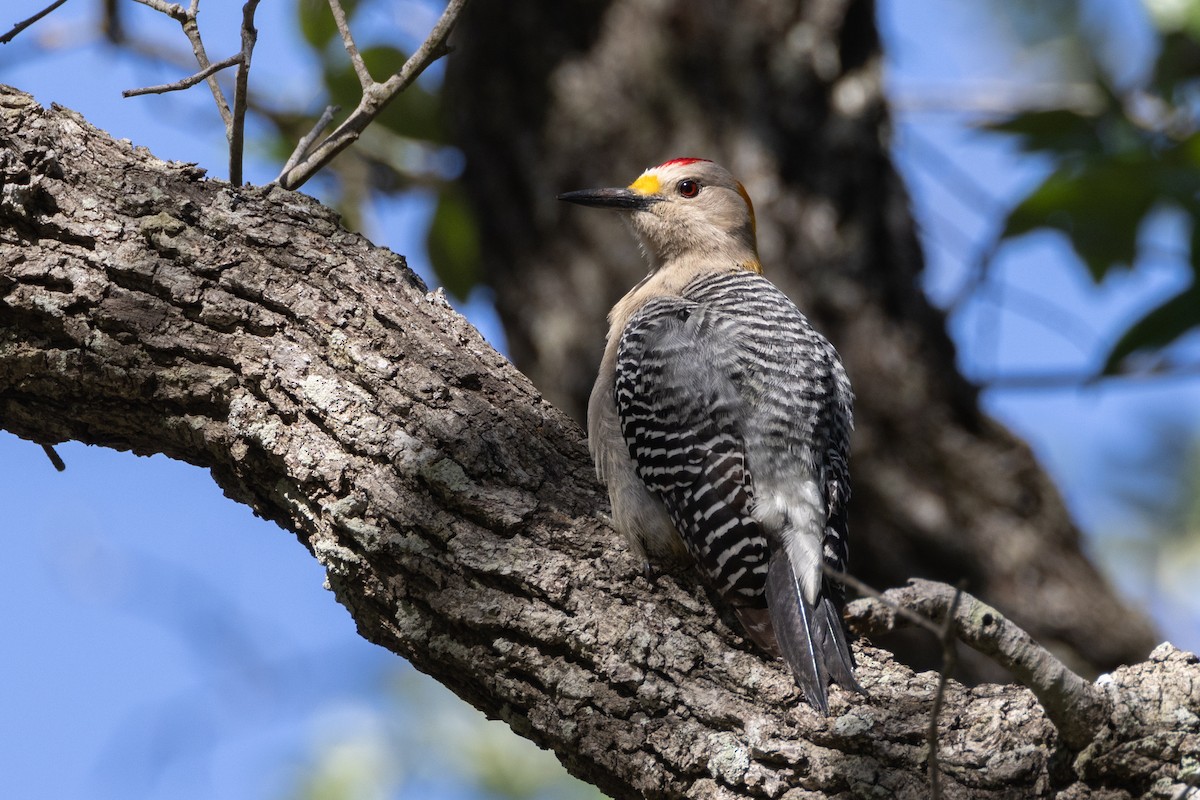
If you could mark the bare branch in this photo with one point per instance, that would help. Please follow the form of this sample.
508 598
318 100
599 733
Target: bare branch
172 10
186 17
153 50
997 100
957 180
192 30
235 117
868 591
1075 706
306 143
374 99
1044 311
1035 381
237 128
54 457
23 24
433 48
360 67
187 82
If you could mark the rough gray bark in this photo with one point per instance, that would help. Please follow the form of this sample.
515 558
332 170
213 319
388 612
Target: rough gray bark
549 96
143 307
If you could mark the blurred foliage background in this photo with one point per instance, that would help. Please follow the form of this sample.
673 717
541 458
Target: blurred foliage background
1093 106
1123 149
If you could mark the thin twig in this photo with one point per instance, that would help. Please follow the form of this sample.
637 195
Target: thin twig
192 30
186 17
187 82
360 67
25 23
957 180
1043 311
997 100
1035 381
54 457
978 270
172 10
375 98
846 579
306 143
153 51
949 664
237 129
234 118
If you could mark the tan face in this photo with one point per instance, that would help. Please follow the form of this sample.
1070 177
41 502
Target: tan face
692 205
686 208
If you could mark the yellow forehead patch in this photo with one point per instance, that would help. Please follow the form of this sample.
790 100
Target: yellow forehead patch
647 184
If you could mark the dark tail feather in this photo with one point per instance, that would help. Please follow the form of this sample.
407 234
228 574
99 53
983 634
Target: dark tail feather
838 659
794 623
811 640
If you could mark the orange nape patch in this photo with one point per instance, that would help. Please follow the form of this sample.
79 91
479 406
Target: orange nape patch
647 184
746 196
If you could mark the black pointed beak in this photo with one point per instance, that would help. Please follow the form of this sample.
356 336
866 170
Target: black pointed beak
625 199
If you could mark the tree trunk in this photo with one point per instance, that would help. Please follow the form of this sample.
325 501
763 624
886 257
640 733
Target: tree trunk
547 97
145 308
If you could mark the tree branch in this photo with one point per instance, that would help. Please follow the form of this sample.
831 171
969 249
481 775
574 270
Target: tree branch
237 126
1076 707
25 23
309 139
188 82
54 457
360 67
186 17
143 307
375 95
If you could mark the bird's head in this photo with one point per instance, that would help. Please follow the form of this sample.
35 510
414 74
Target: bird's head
685 208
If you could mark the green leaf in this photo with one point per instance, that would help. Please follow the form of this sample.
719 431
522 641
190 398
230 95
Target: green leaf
1101 202
415 113
1058 131
1178 64
1099 209
453 244
316 21
1158 328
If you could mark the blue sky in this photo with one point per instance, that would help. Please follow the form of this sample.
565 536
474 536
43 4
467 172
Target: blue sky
160 641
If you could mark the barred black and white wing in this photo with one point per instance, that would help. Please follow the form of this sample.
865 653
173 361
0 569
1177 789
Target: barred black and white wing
679 406
737 416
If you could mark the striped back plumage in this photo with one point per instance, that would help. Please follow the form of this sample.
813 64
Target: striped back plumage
719 390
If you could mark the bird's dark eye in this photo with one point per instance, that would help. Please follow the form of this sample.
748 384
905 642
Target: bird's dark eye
689 188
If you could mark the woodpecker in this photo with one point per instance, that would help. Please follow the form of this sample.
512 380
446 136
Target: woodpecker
720 420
